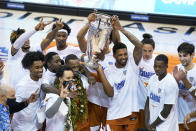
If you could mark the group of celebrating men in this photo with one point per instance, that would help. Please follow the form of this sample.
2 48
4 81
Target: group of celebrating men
129 90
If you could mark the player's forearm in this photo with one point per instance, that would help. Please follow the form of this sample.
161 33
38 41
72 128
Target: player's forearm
54 108
16 106
188 86
49 89
193 114
81 38
21 40
132 38
50 36
115 36
24 37
157 122
108 89
147 113
163 115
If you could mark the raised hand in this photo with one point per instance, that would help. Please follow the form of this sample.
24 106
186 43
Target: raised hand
115 22
33 97
92 80
41 25
100 55
179 74
59 24
91 17
64 92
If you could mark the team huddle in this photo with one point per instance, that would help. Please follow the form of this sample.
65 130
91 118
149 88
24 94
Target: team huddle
130 89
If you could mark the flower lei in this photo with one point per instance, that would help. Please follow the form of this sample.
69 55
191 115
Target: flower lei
78 106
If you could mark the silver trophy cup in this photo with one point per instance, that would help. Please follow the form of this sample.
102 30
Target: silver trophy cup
98 34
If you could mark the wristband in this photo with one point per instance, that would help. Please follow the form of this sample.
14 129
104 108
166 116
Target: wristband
160 116
192 88
85 58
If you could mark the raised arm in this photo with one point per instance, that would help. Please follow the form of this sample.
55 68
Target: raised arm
49 89
51 35
51 111
25 36
108 89
81 34
137 54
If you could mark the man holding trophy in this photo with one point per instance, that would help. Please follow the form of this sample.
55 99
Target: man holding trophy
120 82
100 35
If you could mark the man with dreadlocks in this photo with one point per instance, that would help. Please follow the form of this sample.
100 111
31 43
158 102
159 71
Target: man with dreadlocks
21 45
52 63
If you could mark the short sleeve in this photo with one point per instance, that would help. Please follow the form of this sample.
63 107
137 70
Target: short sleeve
171 93
20 90
85 82
148 88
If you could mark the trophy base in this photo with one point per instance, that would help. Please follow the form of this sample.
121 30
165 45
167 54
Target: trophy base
91 64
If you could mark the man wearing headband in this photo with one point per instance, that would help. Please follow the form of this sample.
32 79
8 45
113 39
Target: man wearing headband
61 43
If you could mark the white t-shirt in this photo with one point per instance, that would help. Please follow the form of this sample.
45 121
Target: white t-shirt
186 103
160 93
57 122
85 82
26 118
48 77
146 70
95 93
67 51
15 65
14 62
125 83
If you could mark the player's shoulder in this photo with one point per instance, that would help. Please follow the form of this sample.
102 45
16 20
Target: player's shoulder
52 49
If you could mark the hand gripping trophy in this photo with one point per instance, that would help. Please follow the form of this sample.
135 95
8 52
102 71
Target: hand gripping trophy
98 33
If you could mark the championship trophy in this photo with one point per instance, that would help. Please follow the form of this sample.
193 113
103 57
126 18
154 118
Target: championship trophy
98 34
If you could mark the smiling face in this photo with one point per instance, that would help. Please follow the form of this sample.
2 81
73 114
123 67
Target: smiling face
121 57
185 58
36 70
